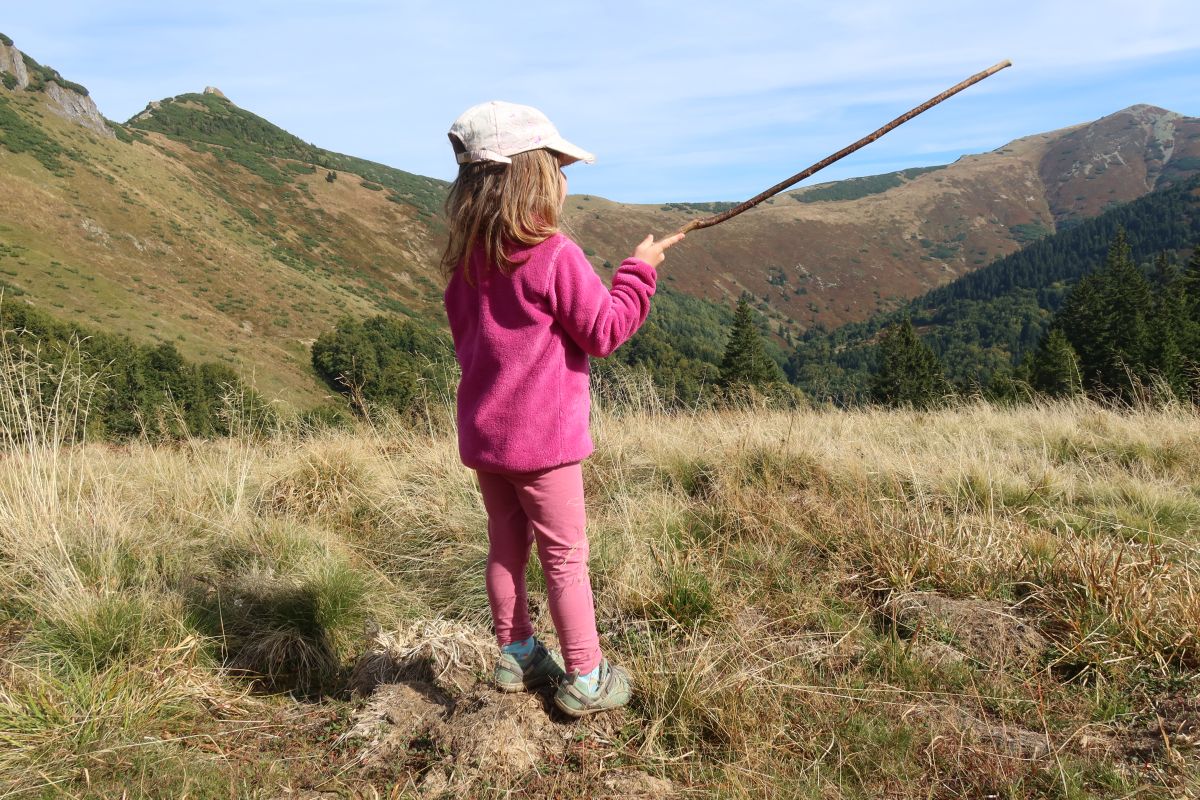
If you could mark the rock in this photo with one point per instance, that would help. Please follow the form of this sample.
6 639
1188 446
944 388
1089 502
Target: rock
998 737
78 108
65 102
215 91
985 631
12 63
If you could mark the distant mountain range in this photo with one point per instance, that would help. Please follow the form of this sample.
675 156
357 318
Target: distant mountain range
200 223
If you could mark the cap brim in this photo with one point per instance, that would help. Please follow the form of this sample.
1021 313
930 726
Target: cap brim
572 152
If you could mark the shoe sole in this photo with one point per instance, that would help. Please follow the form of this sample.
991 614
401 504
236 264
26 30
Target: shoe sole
522 687
579 713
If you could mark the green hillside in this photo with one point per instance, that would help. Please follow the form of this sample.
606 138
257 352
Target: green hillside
213 119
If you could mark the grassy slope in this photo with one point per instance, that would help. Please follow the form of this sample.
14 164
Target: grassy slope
753 570
154 239
215 120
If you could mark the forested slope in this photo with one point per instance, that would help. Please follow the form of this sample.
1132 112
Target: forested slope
985 321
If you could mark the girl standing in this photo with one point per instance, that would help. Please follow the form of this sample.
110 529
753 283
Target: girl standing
526 311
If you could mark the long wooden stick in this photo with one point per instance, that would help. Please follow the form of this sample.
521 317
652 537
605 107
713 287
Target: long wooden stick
716 219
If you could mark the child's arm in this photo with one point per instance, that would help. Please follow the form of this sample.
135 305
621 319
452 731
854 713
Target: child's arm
596 319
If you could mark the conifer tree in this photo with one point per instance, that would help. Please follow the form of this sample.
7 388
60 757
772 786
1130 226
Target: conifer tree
1167 326
1054 368
1106 319
910 374
1189 289
746 362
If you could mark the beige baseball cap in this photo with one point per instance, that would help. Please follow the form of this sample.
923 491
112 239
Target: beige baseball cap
496 131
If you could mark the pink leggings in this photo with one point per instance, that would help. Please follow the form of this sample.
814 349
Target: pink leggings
546 507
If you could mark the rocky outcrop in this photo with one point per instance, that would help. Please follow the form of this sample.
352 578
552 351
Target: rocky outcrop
12 62
78 108
215 91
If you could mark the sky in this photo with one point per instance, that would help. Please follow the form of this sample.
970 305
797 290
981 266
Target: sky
680 101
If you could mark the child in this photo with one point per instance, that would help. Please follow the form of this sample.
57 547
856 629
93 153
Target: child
526 310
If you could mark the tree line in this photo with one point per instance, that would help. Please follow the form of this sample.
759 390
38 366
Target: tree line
132 390
1120 334
985 323
400 363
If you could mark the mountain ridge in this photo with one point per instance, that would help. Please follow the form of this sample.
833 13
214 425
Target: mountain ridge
203 224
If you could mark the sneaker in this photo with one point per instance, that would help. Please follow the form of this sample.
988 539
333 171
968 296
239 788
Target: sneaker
537 669
612 692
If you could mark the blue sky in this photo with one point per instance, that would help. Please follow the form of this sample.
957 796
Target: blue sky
680 101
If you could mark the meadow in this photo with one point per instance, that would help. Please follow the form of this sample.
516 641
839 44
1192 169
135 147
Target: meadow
977 601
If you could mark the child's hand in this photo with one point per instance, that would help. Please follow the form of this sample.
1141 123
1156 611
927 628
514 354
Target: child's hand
651 251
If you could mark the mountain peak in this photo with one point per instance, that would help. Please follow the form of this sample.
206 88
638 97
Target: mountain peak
215 92
1146 114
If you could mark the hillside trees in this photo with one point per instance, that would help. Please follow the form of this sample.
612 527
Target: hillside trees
1128 331
140 390
988 320
746 363
910 374
1189 288
383 361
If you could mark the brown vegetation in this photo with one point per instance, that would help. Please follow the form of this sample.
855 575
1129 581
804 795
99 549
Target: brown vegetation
966 603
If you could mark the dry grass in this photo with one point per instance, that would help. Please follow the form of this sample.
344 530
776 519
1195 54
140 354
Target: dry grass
746 565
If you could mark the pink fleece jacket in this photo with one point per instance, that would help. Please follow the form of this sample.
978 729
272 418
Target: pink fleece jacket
523 342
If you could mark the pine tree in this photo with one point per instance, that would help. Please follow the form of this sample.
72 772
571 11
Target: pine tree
910 374
1106 319
1129 303
746 363
1167 326
1054 368
1189 336
1082 321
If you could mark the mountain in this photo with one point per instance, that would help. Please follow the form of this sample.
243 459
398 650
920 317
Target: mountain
199 223
983 322
233 256
839 253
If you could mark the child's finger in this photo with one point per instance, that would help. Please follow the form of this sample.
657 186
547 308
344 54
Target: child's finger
670 240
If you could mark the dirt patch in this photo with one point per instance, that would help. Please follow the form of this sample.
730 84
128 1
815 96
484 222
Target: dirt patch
1171 731
984 631
432 708
438 652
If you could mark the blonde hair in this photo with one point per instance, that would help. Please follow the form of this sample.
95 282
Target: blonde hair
502 207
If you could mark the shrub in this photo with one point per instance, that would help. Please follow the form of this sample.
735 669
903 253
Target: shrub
384 361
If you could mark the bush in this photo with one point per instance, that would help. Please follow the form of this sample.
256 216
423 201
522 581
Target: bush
384 361
141 390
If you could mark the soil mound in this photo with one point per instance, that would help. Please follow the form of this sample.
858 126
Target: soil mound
431 705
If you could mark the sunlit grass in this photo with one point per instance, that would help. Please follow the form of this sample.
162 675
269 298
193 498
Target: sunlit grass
743 563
